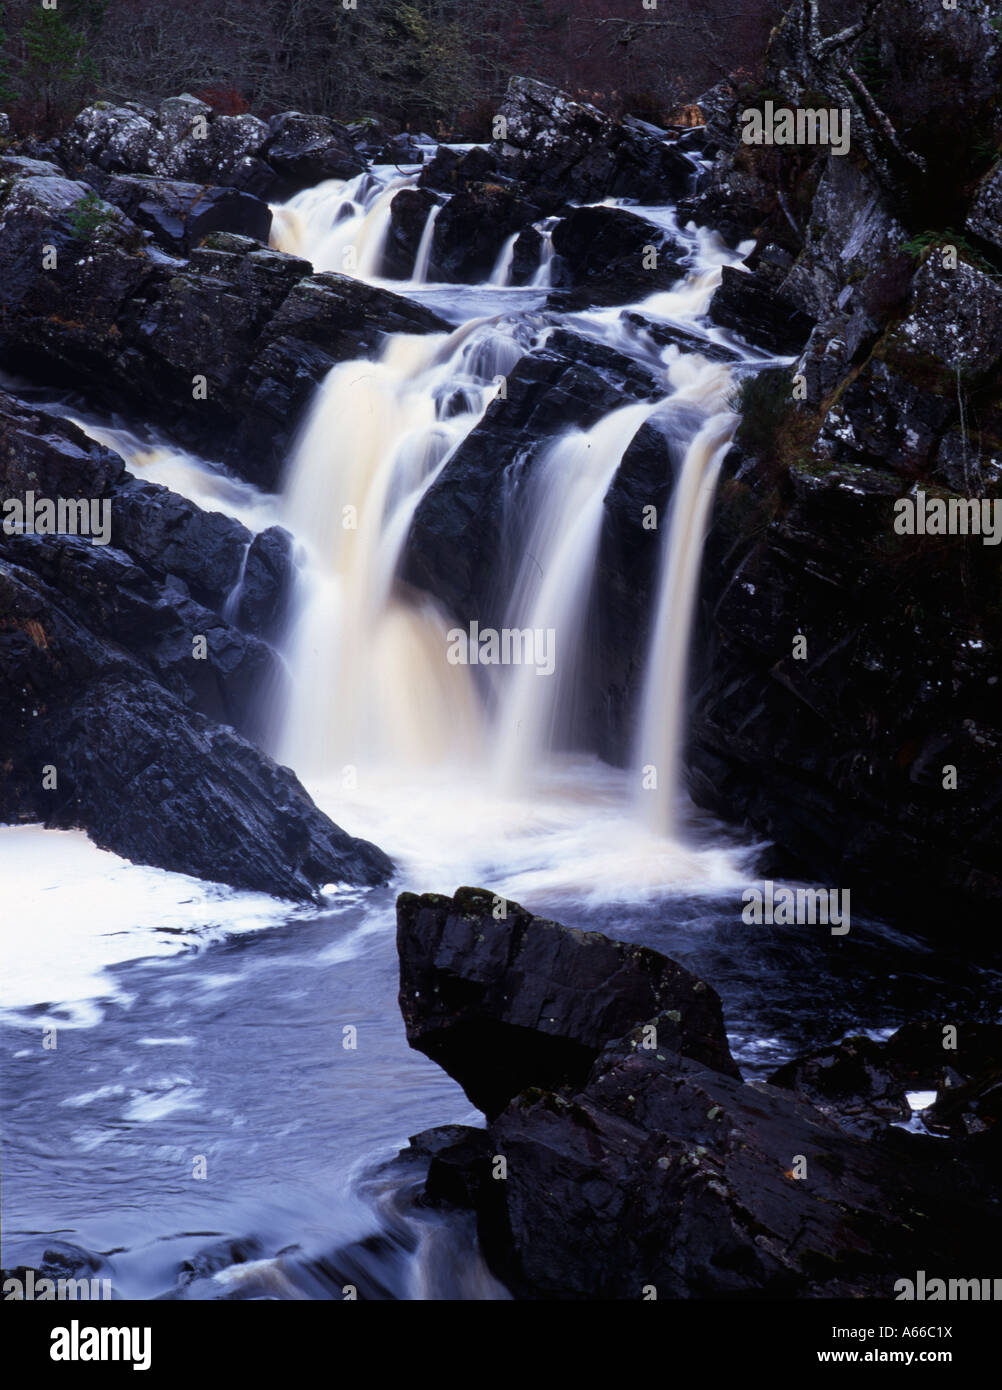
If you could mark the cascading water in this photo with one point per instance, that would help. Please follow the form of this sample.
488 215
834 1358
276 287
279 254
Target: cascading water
663 709
423 257
551 593
373 685
501 274
340 226
175 971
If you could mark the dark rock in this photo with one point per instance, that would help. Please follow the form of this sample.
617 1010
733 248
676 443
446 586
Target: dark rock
751 307
526 256
651 1168
306 150
409 212
985 216
460 1165
863 1085
509 1002
670 335
134 329
554 141
615 255
458 546
180 214
99 678
472 228
267 582
449 171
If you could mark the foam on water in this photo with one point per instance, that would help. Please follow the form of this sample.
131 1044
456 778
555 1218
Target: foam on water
82 910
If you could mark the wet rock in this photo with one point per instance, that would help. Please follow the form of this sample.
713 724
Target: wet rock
652 1165
224 353
100 678
507 1003
267 583
750 306
553 141
670 335
409 212
306 150
614 255
457 548
472 228
450 171
864 1085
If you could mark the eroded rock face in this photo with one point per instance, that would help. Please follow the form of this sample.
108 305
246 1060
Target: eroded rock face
634 1156
456 547
151 738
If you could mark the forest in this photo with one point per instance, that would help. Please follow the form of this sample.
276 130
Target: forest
441 65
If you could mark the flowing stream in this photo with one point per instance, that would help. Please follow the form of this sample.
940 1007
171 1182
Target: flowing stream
193 1022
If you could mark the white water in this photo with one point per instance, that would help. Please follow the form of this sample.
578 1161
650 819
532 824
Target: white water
500 276
423 257
568 491
662 719
394 740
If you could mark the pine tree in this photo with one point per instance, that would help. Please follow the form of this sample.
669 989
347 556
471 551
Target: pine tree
55 57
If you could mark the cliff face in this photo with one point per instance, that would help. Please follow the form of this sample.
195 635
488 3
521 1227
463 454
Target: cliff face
872 748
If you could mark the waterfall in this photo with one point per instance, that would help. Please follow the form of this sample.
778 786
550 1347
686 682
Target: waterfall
372 676
501 274
543 277
423 257
662 720
339 225
568 489
372 685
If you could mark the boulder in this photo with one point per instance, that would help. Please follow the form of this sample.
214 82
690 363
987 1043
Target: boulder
507 1001
306 150
100 678
180 215
635 1157
749 305
556 142
472 228
185 139
409 213
614 256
